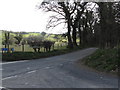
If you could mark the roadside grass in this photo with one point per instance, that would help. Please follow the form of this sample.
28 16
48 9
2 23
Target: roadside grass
16 56
104 60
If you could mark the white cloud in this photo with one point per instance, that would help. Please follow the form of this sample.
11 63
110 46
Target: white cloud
22 15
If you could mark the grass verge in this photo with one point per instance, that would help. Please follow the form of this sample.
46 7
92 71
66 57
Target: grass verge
104 60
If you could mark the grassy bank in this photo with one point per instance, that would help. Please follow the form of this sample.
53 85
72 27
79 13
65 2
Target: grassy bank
15 56
103 60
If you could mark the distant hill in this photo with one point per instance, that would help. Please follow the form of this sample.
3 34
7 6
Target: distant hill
47 36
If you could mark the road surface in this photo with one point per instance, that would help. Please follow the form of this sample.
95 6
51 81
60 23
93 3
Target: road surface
55 72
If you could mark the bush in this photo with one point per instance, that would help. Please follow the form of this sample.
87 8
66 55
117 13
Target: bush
103 60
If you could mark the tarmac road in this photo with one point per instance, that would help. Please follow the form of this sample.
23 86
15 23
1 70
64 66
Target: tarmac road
55 72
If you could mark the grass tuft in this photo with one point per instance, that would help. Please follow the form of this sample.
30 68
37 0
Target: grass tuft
105 60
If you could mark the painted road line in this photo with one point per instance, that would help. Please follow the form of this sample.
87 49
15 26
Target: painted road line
14 62
32 71
9 77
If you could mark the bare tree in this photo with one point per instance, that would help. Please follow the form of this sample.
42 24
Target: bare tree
7 40
64 10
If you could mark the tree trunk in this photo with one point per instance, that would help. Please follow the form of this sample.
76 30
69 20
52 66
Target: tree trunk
38 49
74 36
85 33
35 50
5 46
80 34
70 44
103 33
85 37
8 36
23 49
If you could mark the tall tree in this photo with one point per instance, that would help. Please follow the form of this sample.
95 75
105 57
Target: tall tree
108 25
65 10
80 7
7 40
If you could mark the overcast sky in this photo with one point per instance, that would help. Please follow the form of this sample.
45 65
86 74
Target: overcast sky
22 15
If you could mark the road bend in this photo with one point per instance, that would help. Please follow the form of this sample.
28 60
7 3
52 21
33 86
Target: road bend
55 72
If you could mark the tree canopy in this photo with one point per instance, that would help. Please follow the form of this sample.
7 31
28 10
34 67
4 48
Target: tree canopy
96 23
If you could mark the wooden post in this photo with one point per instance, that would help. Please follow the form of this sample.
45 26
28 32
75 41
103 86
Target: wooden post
23 49
8 42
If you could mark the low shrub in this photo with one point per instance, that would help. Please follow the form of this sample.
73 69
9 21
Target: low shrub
105 60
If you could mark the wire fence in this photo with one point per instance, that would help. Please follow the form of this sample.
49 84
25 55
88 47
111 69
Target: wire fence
27 48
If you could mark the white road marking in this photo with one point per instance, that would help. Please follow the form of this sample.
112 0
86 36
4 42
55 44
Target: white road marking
14 62
1 87
1 69
26 83
47 67
32 71
28 67
9 77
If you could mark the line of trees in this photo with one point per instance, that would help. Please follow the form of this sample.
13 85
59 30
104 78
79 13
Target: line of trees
95 24
10 39
35 42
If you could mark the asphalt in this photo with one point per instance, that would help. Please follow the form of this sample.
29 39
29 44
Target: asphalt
55 72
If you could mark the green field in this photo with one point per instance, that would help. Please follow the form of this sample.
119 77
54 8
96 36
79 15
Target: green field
27 48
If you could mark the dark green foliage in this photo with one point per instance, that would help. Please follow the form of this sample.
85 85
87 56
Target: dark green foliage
15 56
103 60
19 38
109 25
43 34
47 45
37 42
